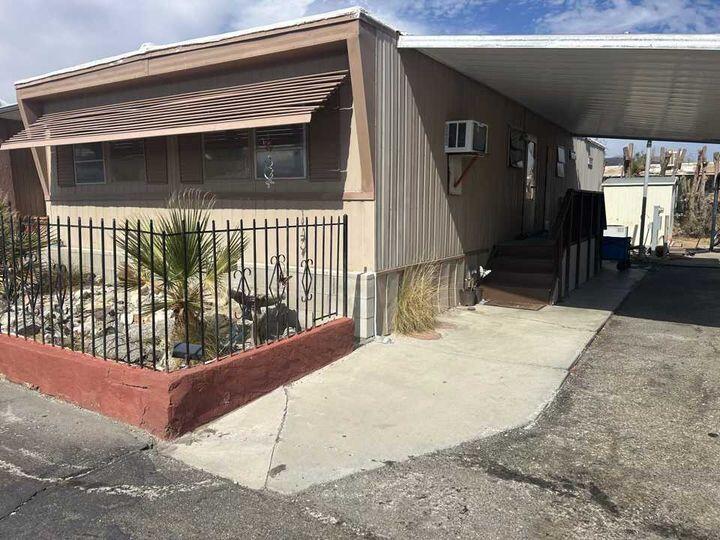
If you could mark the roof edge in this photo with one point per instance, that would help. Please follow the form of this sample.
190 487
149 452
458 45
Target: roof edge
597 143
594 41
356 13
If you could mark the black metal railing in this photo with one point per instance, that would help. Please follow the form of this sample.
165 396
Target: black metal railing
135 293
581 217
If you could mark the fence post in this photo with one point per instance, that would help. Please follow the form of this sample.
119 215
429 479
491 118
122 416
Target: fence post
345 265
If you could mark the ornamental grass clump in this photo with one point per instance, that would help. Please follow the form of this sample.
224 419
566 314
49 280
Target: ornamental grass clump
417 300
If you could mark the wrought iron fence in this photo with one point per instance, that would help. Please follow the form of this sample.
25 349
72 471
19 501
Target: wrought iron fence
135 293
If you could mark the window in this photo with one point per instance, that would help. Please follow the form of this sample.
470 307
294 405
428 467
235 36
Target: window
226 155
281 151
516 149
560 169
127 161
89 163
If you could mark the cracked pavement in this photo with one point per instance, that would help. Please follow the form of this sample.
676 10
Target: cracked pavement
66 472
628 449
386 402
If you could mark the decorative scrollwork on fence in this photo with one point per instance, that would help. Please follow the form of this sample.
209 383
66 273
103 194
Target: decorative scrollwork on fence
242 295
278 279
30 283
307 279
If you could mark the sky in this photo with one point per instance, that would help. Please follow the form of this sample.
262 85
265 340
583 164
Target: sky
44 35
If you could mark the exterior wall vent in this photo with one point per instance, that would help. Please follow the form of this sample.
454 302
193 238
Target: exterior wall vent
466 137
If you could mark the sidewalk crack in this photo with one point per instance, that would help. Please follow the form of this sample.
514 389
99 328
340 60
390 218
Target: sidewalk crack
270 469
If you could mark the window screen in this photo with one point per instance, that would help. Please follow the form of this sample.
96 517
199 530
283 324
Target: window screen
127 161
89 164
226 155
282 148
516 149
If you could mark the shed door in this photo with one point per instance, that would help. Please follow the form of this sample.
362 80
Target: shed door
531 195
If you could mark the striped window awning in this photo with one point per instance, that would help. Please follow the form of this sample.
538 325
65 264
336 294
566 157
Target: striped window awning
268 103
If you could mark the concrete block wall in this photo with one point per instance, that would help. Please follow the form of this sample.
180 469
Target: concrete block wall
451 274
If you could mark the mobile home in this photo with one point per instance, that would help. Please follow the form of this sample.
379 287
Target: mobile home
311 118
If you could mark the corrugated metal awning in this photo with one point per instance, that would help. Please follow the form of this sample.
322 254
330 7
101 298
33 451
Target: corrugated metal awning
267 103
661 87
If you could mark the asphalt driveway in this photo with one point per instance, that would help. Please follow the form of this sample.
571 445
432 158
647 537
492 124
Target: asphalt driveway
628 449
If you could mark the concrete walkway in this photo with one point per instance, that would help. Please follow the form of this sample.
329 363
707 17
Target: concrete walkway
492 370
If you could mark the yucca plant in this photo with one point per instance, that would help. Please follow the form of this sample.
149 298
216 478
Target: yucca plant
189 212
417 300
188 245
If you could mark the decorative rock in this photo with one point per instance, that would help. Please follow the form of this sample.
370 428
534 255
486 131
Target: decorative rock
275 322
29 330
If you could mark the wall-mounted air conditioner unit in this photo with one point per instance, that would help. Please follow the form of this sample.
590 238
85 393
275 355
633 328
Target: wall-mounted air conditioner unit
465 137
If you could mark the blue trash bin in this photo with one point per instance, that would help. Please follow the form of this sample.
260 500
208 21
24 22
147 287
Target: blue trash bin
617 249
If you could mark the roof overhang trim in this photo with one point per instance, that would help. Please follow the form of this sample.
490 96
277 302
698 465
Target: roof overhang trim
263 104
614 86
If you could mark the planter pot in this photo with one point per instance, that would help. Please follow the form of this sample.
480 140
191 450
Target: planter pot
467 297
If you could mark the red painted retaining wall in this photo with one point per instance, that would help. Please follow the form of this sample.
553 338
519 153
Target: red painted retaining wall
170 404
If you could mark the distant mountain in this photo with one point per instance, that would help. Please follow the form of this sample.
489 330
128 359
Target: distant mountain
615 160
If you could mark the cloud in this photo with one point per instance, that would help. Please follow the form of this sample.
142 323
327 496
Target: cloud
619 16
44 35
39 36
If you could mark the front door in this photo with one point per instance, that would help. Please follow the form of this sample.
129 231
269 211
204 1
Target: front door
531 192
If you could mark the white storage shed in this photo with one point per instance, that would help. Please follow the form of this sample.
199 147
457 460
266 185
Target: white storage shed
623 206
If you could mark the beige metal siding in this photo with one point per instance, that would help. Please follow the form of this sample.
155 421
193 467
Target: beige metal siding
26 184
417 220
19 182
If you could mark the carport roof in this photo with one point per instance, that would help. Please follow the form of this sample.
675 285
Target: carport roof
661 87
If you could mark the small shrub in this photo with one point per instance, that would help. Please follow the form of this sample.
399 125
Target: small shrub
695 221
417 300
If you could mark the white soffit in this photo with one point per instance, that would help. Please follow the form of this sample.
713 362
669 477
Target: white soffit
662 87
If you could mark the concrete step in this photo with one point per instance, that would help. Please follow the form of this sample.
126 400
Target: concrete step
529 297
516 263
543 280
530 250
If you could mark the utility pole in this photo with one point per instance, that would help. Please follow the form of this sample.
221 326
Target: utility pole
627 160
648 158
